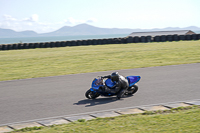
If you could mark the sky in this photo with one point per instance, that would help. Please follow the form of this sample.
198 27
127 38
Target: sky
44 16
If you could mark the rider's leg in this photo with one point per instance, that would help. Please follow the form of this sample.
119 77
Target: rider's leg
121 93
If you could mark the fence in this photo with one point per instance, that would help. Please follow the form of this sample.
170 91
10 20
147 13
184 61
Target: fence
136 39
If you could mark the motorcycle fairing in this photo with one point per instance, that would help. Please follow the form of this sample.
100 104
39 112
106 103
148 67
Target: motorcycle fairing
94 86
109 83
133 79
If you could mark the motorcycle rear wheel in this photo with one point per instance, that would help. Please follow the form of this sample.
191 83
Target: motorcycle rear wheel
91 95
133 89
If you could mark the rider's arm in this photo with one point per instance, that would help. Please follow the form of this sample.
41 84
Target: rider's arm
106 76
116 87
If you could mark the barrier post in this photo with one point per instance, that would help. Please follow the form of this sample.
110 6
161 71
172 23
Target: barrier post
198 36
175 37
163 38
182 37
194 36
149 39
156 38
188 37
169 38
143 39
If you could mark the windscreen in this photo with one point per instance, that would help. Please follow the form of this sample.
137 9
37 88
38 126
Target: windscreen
99 81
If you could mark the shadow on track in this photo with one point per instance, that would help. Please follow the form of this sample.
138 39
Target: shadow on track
98 101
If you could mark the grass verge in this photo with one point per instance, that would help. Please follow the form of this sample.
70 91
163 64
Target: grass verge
32 63
182 119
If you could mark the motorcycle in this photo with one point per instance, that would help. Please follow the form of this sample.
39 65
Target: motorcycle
98 82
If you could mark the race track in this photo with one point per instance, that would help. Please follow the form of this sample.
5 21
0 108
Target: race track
28 99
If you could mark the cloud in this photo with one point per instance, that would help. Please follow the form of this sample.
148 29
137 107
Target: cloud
33 18
10 22
73 21
70 21
9 18
91 20
33 23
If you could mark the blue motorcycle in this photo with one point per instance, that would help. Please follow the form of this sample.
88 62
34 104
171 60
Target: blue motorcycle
95 90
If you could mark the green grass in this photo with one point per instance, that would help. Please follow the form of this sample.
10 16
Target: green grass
180 120
32 63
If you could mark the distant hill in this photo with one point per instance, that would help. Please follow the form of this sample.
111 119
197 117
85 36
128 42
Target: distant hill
85 29
11 33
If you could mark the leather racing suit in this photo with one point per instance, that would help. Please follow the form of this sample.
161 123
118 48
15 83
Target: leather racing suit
120 87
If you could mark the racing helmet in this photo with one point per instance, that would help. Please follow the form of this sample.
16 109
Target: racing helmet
114 76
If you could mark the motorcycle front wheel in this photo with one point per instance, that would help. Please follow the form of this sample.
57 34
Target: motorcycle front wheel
91 95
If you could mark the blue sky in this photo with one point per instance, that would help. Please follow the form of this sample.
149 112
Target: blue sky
49 15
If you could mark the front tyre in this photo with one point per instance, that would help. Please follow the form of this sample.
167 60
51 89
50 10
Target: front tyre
133 89
91 95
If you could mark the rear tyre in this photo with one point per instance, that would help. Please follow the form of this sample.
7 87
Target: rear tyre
133 89
91 95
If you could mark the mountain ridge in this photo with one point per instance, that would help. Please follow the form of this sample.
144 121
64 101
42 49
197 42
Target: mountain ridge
85 29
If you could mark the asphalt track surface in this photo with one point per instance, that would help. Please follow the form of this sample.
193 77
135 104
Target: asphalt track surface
29 99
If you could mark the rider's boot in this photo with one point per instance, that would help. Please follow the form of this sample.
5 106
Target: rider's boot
120 94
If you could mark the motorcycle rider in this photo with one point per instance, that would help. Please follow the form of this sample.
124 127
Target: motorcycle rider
120 87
